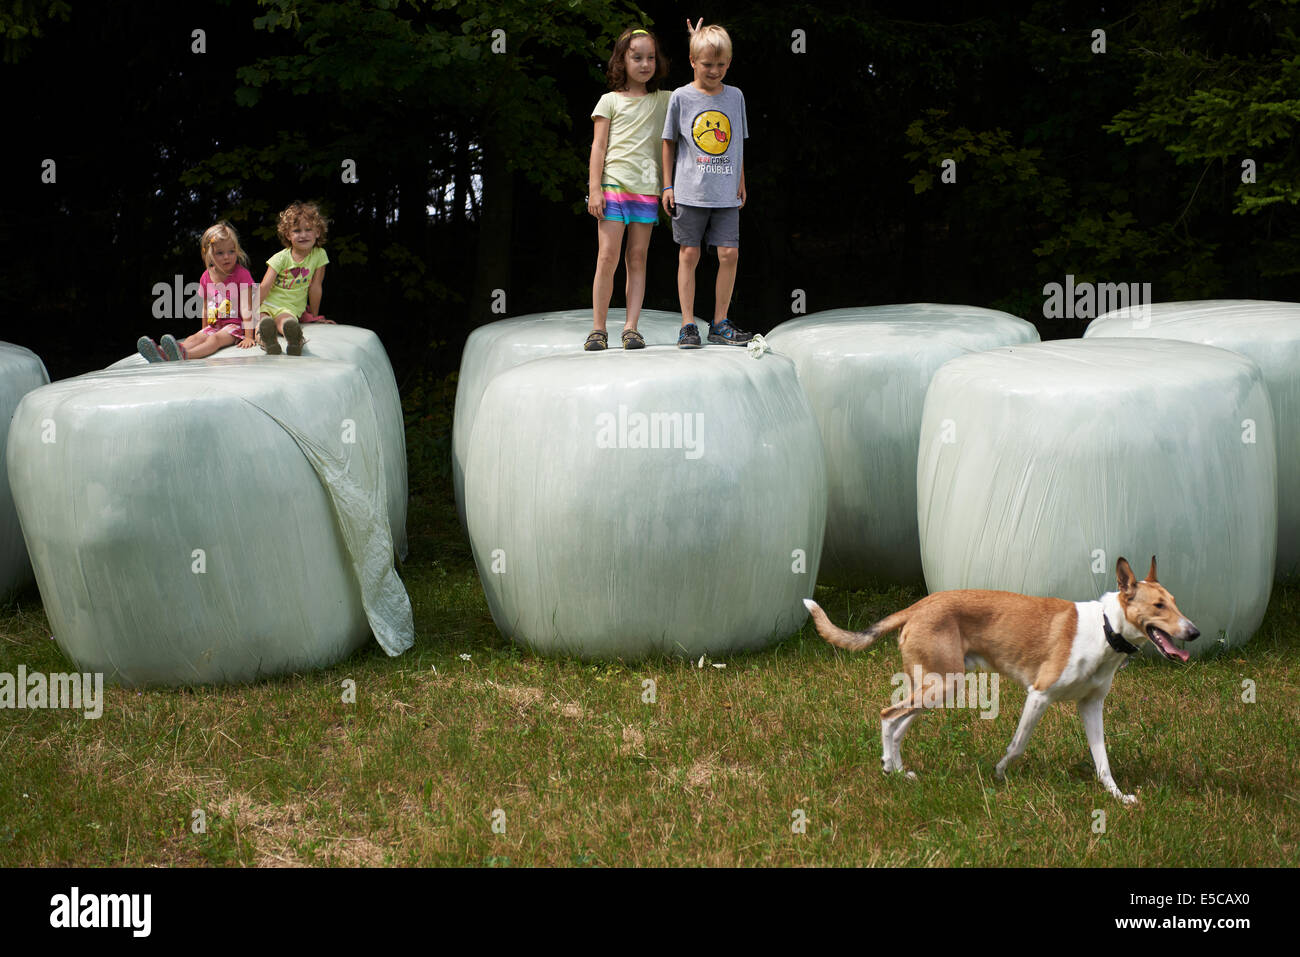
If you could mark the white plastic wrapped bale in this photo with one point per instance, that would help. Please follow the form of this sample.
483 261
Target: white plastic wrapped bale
865 371
501 345
1268 332
1041 465
208 521
659 501
20 372
362 348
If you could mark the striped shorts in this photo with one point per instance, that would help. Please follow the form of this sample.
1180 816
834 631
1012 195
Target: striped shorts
622 206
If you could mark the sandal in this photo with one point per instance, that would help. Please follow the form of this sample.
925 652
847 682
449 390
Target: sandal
633 339
597 340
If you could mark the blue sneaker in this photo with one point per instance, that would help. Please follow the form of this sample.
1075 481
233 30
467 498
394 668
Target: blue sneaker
689 337
172 350
149 349
728 335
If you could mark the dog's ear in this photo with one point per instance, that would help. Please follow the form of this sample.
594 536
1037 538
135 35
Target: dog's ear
1125 578
1151 575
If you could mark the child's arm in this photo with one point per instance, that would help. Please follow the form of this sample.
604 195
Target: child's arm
669 163
596 166
741 192
313 294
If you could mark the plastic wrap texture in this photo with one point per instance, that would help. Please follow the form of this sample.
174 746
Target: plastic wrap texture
1269 333
865 371
624 504
20 372
1041 465
209 521
362 348
501 345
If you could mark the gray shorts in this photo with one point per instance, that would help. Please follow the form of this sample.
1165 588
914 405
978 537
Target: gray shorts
707 226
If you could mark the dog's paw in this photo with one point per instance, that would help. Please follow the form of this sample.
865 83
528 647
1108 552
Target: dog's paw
1127 798
911 775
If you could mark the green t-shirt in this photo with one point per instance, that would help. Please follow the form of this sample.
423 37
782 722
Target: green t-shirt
292 281
635 152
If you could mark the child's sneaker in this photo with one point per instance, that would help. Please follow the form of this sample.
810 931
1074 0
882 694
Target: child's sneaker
727 334
149 349
293 335
171 349
266 332
689 337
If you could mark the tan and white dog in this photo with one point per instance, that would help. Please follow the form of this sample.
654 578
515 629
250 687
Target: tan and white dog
1059 650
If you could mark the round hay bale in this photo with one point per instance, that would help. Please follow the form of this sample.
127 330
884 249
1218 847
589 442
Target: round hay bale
1040 465
626 504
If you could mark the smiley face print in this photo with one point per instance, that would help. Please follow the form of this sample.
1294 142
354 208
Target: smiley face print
711 131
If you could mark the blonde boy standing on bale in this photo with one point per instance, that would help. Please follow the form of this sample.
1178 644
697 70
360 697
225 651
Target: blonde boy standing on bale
704 180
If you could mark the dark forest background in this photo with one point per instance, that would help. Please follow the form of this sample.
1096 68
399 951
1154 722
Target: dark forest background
1118 166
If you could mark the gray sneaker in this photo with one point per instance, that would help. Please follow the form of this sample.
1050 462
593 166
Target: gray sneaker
149 349
689 337
266 332
293 335
728 335
172 349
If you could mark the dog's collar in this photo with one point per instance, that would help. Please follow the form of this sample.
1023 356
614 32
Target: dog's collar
1114 640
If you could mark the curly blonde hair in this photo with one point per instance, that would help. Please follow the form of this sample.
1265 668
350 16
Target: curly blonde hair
216 233
295 213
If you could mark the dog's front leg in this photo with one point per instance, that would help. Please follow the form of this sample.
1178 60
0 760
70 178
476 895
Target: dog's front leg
1090 713
1035 704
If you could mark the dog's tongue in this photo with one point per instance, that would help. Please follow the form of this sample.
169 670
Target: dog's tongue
1164 644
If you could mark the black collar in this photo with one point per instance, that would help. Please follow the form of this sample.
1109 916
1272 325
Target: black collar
1114 640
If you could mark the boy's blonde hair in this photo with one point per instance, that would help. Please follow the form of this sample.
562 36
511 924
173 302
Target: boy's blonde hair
216 233
296 211
712 37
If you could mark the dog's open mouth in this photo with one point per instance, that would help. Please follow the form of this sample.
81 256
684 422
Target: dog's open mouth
1165 644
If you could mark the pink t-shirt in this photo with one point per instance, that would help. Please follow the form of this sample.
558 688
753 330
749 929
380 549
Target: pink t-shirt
221 299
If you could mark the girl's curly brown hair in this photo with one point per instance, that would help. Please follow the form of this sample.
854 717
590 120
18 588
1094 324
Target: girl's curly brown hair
296 212
616 72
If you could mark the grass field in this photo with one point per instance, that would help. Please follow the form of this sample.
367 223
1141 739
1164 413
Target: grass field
469 751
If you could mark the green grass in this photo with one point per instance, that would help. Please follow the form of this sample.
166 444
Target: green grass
584 773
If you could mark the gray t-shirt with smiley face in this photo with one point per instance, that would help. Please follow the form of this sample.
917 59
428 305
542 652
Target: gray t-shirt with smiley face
710 133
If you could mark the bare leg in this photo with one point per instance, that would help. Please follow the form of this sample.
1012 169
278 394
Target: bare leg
728 259
634 258
200 345
609 238
687 259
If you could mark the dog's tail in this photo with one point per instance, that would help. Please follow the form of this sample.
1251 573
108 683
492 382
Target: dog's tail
853 640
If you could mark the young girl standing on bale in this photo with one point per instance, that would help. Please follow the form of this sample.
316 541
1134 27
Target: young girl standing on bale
623 176
291 288
227 289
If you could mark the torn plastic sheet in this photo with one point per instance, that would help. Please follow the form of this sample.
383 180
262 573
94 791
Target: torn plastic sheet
209 521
